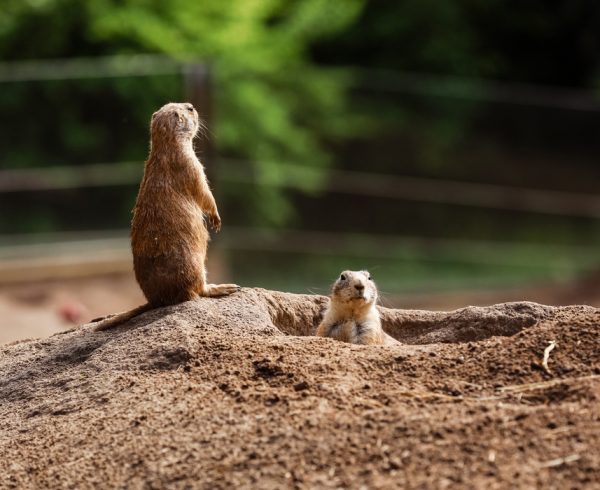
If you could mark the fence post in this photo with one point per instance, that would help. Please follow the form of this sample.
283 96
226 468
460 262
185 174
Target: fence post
198 91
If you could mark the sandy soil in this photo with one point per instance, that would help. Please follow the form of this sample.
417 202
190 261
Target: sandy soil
233 392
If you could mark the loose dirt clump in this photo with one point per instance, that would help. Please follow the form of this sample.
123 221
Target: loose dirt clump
236 392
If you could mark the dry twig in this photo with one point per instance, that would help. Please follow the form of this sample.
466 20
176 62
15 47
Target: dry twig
559 461
545 384
547 351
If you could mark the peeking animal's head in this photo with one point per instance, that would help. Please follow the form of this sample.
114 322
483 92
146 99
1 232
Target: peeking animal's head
355 287
175 121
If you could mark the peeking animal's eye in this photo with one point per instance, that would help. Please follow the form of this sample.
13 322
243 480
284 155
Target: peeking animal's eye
369 277
343 277
190 108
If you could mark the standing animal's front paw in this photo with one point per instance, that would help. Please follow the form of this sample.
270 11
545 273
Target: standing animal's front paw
214 220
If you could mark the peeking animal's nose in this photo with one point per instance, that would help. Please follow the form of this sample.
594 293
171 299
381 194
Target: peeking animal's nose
359 287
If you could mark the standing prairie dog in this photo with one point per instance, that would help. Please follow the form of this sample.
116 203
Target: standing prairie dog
352 314
169 237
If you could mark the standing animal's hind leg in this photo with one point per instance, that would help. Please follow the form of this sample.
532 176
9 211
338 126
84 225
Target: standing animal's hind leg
212 290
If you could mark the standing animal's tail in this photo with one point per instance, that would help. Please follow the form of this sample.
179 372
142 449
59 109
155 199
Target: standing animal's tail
115 320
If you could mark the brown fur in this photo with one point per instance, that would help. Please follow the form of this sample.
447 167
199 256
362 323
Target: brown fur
352 314
169 237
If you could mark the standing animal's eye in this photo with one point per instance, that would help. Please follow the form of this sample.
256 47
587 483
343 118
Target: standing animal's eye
190 108
369 278
343 277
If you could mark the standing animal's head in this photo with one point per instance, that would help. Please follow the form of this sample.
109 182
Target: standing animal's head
356 287
177 121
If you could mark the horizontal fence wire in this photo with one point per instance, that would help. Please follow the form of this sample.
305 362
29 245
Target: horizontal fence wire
371 79
477 89
401 187
140 65
435 249
424 189
527 255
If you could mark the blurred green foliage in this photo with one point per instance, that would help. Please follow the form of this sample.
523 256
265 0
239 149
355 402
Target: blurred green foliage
274 104
548 42
285 96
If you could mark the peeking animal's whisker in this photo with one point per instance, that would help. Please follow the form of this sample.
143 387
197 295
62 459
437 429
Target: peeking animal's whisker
385 300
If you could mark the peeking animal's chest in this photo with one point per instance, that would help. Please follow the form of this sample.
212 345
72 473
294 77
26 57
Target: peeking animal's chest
348 330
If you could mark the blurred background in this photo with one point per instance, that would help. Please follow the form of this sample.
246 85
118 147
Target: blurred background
451 148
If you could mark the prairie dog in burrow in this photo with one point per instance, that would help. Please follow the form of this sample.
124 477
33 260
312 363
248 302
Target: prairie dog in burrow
169 235
352 314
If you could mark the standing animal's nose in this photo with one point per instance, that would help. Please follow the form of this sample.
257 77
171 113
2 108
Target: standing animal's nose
359 287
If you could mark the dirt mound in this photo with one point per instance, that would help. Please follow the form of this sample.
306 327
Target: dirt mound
234 392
